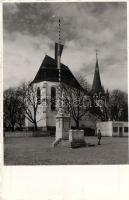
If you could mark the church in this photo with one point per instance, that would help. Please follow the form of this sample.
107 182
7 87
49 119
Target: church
46 82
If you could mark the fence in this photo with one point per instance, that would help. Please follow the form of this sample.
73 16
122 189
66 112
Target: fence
18 134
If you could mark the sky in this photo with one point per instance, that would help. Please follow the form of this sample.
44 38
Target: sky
30 31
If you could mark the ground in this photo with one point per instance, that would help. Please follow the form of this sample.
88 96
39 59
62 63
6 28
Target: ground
39 151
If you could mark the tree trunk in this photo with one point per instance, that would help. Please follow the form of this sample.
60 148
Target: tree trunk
35 122
77 124
12 128
35 126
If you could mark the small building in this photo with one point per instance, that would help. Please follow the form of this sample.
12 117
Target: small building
113 128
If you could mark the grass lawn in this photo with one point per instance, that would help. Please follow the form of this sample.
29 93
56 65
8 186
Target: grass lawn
39 151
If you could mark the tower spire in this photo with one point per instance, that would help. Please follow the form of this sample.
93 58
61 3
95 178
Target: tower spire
96 54
96 81
96 57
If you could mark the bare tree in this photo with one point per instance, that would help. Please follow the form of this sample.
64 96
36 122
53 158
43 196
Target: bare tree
75 102
96 106
118 105
83 81
13 109
31 102
78 102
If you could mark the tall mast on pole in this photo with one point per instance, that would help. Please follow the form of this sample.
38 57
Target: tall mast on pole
59 55
59 67
62 121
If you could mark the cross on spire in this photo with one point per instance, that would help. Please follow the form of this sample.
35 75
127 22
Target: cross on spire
97 81
97 51
96 54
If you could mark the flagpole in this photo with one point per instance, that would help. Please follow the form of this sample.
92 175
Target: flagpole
59 56
59 68
62 121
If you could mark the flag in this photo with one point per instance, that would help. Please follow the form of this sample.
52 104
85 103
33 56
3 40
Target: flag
56 50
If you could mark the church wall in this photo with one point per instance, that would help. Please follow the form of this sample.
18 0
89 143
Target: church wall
51 114
47 117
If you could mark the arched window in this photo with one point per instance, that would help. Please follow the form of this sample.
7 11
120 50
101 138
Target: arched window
38 96
53 98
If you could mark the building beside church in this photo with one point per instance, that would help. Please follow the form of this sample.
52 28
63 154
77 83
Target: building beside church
113 128
46 82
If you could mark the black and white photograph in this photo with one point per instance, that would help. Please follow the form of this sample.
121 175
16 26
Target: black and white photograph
65 84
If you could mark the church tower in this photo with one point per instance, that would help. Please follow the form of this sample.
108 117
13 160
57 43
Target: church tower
97 88
100 98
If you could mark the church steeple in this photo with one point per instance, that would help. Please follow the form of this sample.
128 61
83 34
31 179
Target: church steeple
96 86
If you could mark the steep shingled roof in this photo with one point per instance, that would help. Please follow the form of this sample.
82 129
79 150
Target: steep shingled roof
48 71
96 81
96 86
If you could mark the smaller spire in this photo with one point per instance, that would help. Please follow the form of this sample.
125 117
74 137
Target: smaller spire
96 86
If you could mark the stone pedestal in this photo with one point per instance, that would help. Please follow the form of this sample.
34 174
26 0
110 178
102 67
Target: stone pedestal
76 138
76 135
62 127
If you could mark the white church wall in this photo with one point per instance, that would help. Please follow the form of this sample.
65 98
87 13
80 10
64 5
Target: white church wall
51 114
47 117
39 115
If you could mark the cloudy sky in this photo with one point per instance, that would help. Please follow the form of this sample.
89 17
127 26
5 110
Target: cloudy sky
30 30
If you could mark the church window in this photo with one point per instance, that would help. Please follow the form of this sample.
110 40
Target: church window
38 96
53 98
